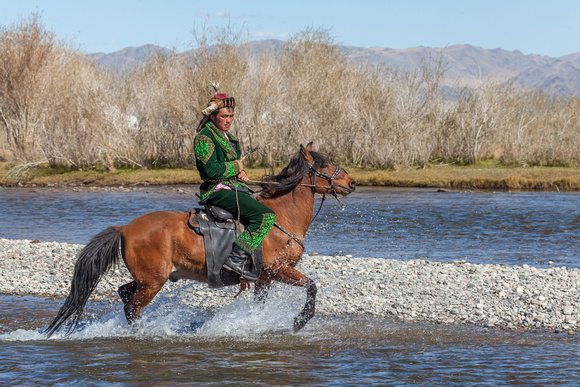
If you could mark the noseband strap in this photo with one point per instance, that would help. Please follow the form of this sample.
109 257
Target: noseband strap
314 173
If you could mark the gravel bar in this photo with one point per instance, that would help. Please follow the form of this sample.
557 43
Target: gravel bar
489 295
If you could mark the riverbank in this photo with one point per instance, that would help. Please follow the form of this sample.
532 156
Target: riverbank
490 175
459 293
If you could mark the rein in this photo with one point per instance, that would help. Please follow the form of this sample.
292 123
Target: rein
314 173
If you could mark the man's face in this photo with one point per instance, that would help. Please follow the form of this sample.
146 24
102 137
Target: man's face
223 119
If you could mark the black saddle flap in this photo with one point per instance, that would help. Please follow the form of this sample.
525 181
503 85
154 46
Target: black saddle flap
219 237
219 213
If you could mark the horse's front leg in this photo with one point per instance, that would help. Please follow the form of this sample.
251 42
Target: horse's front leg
291 276
261 289
308 311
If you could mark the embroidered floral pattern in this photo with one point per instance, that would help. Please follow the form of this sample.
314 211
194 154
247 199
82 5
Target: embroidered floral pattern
230 170
249 241
231 152
203 148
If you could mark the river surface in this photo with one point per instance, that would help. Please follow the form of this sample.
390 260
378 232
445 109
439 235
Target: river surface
245 344
174 345
479 227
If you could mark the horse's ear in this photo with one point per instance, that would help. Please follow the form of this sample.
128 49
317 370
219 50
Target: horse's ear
306 153
309 147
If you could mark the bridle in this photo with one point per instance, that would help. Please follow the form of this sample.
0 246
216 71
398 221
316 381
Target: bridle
314 173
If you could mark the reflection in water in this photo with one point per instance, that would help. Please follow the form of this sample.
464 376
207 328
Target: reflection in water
329 350
511 228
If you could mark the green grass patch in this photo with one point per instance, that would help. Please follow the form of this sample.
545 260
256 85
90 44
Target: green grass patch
486 175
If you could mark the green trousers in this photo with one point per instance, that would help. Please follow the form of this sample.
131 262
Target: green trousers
258 217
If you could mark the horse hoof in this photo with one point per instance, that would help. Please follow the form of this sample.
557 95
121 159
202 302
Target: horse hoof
299 324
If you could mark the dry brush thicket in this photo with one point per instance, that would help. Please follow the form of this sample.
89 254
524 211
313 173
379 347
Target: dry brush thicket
59 108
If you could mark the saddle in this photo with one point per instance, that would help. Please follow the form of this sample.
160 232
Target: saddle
219 229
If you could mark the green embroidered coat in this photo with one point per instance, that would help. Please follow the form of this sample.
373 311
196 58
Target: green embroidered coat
214 159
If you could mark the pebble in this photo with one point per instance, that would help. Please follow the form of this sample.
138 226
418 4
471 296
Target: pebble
462 293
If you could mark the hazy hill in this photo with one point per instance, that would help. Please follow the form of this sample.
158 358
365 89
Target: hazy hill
126 57
464 63
560 76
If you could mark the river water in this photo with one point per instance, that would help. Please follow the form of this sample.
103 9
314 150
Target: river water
480 227
173 344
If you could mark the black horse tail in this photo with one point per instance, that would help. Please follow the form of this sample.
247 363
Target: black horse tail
93 261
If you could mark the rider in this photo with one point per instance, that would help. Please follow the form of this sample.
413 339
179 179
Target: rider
217 154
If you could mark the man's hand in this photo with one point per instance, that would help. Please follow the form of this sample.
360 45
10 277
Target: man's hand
243 177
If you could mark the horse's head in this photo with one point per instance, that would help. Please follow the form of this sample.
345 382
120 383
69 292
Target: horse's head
339 181
307 168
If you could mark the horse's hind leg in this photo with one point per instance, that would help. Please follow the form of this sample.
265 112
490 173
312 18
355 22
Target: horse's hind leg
291 276
126 291
142 296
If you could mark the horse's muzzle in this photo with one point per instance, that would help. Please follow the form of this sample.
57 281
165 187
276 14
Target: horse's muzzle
346 190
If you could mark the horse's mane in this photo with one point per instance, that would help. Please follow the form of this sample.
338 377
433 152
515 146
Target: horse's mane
291 175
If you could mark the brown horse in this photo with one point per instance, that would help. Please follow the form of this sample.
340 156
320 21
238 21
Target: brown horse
160 244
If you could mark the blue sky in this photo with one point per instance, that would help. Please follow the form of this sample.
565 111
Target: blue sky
544 27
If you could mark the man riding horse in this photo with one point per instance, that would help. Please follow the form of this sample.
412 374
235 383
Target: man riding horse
217 154
162 245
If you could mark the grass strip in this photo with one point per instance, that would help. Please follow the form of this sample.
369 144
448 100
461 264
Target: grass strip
483 176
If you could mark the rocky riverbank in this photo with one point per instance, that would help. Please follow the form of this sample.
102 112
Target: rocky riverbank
414 290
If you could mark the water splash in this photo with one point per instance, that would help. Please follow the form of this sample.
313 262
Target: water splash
247 319
169 316
21 335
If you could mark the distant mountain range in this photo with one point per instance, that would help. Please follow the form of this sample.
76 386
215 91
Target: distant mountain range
464 63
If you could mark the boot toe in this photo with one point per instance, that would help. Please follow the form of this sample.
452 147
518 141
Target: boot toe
249 276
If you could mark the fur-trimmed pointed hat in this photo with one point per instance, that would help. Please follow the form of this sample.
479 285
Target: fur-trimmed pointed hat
218 101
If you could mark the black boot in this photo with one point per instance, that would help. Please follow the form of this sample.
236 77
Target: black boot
238 263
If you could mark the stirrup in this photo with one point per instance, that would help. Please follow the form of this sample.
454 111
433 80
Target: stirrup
244 274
